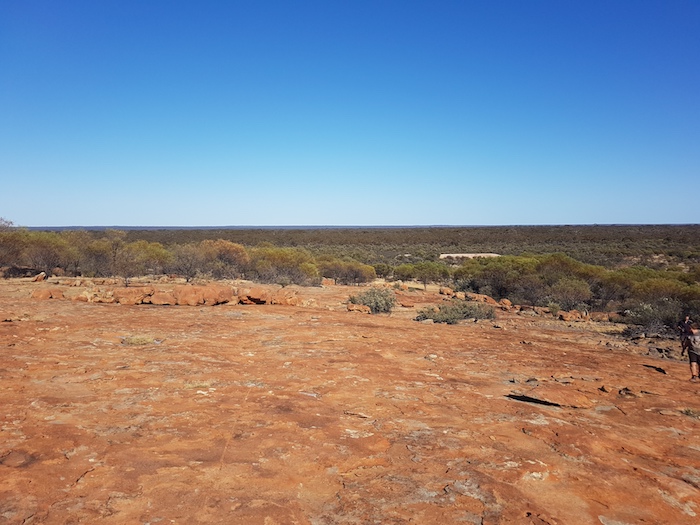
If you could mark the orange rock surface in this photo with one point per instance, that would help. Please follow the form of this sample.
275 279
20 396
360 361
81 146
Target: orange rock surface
312 414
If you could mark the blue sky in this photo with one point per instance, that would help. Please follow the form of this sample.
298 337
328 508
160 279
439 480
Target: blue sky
215 113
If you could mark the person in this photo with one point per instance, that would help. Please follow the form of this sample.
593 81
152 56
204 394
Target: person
684 328
694 353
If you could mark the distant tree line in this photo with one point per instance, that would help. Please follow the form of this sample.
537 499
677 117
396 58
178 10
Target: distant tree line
604 245
649 286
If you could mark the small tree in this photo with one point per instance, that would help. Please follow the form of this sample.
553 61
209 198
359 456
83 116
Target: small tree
354 272
188 260
12 244
45 250
405 272
429 271
97 260
224 259
382 270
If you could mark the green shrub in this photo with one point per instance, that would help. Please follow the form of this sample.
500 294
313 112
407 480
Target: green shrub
455 311
554 308
654 315
379 300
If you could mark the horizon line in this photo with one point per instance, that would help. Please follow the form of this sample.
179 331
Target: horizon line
344 227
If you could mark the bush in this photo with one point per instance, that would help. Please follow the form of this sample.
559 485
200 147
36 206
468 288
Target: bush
570 292
654 316
455 311
554 308
379 300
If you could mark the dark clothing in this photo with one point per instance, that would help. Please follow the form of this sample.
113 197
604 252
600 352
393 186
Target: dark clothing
684 327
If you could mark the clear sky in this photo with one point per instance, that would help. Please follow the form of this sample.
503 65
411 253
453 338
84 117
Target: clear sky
349 112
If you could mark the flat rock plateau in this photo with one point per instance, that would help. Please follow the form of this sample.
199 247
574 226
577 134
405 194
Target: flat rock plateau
315 415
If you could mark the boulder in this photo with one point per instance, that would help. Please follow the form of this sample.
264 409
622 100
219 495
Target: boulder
133 295
162 298
186 295
405 302
361 308
572 315
600 317
47 293
103 296
39 277
287 297
255 295
446 291
214 294
482 298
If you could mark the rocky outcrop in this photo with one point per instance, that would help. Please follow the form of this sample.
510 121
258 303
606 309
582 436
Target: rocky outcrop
209 295
279 415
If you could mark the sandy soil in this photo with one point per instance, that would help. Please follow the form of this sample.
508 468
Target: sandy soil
271 415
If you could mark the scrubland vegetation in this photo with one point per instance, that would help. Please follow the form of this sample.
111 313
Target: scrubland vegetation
650 274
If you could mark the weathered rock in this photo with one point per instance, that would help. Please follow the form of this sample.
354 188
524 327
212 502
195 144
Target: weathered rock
187 295
600 317
335 418
39 277
162 298
361 308
446 291
286 297
572 315
254 295
559 395
132 295
482 298
214 294
47 293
